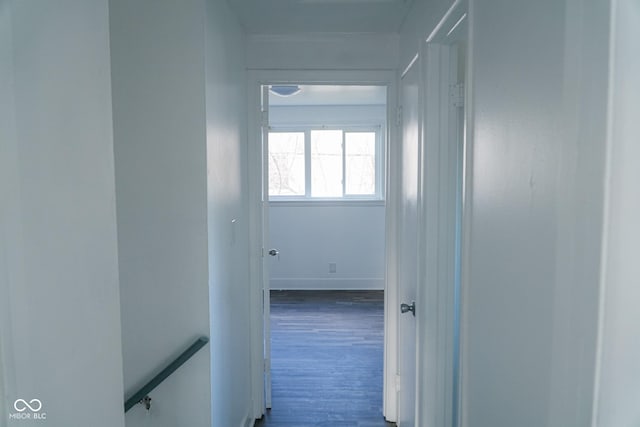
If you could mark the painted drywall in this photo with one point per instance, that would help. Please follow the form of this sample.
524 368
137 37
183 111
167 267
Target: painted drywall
619 373
422 18
579 201
60 321
8 194
311 236
158 78
227 195
342 17
323 51
517 86
329 115
535 201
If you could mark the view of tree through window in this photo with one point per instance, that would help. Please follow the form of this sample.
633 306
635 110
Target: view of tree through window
360 162
326 163
286 164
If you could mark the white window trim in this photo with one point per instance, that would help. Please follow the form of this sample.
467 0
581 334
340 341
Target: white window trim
378 196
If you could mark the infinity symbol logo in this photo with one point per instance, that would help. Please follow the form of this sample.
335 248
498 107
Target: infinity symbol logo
21 405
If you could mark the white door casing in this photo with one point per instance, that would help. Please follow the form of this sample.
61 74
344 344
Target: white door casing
266 249
431 266
257 81
441 218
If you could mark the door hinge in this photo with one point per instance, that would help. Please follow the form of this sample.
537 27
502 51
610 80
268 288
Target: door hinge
264 118
456 94
262 252
399 116
267 365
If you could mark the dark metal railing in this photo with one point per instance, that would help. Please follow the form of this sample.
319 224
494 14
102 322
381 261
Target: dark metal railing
142 395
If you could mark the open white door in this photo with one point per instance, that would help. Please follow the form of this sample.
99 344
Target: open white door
410 155
443 68
430 221
267 252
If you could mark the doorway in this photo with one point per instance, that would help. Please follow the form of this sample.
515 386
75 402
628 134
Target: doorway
324 226
326 218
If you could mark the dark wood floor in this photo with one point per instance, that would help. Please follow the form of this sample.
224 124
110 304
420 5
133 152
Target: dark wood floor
327 352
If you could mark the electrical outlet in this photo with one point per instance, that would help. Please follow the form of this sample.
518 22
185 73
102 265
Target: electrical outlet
332 267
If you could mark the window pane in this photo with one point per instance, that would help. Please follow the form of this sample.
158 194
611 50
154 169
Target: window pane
326 163
286 163
360 162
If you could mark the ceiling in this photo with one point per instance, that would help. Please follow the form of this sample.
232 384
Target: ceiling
333 95
320 16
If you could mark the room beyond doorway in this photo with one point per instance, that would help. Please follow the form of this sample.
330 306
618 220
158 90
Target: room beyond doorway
325 157
325 169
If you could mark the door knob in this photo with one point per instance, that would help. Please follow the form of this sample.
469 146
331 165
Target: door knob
408 307
273 252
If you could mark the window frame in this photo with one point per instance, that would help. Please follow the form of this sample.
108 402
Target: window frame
379 194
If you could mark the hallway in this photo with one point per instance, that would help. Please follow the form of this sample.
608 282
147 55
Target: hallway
130 212
327 349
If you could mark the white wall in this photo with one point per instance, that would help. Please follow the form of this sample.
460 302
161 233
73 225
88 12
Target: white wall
420 21
619 373
227 182
538 131
158 72
60 321
579 201
330 115
323 51
310 236
8 193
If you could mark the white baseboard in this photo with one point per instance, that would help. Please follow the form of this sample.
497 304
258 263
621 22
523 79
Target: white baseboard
327 284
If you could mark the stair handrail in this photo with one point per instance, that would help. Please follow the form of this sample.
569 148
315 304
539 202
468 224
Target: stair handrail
142 395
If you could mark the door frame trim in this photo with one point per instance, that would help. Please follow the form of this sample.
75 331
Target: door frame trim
437 248
257 78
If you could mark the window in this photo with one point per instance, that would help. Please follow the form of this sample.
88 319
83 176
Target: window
286 164
325 164
360 162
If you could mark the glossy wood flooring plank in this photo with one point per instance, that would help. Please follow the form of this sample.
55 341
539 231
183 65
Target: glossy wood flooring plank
327 355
